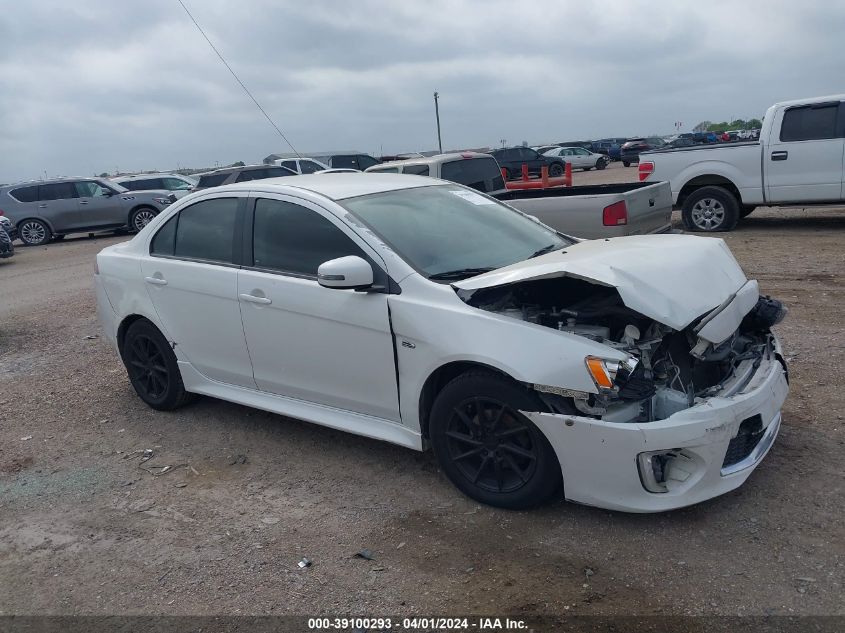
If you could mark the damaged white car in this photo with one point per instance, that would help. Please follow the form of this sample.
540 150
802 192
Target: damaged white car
633 373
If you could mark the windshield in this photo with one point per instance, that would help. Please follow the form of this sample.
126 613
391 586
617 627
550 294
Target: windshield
452 232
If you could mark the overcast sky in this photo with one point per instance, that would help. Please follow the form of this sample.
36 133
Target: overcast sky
96 85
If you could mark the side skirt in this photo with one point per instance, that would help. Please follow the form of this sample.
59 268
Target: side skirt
368 426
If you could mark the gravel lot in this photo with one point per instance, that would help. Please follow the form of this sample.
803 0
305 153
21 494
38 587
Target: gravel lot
86 527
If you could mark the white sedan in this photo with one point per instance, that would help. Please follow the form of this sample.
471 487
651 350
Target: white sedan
579 157
634 373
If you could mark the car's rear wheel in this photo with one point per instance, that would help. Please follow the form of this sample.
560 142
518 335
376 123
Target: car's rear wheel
141 217
487 448
710 209
555 170
34 232
152 367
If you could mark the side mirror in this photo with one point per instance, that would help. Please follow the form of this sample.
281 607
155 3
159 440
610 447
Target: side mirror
350 272
108 193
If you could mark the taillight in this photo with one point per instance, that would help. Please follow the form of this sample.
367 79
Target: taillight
615 214
646 169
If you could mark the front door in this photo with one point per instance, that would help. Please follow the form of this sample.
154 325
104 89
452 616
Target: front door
99 205
192 280
321 345
804 157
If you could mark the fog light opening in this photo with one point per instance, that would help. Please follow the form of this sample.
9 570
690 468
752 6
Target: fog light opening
654 468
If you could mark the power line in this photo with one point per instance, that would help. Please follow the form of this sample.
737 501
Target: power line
246 90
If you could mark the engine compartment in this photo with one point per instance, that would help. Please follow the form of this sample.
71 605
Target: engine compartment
673 369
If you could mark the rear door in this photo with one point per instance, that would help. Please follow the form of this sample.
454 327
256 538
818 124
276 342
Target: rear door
58 205
99 205
803 161
191 276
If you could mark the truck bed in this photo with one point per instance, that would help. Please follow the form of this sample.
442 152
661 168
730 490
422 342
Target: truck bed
579 211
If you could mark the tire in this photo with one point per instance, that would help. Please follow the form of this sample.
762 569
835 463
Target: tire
515 472
745 211
710 209
152 368
140 217
626 163
555 170
601 163
34 232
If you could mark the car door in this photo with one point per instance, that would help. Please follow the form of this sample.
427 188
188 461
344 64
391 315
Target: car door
804 158
57 204
191 275
321 345
99 205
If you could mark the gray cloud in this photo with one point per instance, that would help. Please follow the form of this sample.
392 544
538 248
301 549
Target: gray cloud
90 87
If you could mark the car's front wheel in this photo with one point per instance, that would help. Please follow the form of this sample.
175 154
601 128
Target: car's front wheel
34 232
487 448
601 163
152 367
141 217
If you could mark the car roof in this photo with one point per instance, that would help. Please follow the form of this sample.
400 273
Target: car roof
157 174
336 186
812 100
51 181
430 160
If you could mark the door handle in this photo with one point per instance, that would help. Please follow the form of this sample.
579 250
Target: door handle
83 202
156 281
254 299
780 155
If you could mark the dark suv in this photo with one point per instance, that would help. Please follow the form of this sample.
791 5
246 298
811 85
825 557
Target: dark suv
50 209
511 159
228 175
630 152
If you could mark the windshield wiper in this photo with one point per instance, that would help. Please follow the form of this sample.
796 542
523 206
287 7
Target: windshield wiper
460 273
545 249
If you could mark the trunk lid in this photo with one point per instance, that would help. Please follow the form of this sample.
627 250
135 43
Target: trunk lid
673 279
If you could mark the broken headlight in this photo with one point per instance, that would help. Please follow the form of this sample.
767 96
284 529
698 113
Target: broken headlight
608 374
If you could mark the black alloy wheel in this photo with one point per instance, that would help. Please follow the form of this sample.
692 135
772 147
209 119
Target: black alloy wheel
152 367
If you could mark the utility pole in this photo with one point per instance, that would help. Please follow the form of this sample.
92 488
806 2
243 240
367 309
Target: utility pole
437 114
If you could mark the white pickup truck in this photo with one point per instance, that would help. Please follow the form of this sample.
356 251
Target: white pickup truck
797 161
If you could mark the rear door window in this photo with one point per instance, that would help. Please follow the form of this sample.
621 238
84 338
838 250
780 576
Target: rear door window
346 161
57 191
290 164
417 170
809 123
479 173
206 230
308 166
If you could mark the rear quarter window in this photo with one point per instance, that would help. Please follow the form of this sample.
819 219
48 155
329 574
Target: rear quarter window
479 173
25 194
212 180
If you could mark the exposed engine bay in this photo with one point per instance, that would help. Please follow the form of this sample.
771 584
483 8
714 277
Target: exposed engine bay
668 370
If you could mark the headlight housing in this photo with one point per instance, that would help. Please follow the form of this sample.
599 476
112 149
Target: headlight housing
610 374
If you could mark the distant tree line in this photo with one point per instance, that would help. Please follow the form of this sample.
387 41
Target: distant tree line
738 124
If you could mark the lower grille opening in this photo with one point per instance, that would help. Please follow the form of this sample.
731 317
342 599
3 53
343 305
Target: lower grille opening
740 447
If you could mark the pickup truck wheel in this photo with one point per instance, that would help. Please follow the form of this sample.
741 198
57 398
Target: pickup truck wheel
555 170
601 163
487 448
746 211
710 209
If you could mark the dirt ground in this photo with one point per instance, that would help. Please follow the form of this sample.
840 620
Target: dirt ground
88 527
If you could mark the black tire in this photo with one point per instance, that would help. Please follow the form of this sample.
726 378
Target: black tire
140 217
34 232
555 170
710 209
626 163
152 368
601 163
745 211
515 472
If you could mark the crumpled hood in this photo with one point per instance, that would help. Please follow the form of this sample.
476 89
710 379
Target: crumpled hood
673 279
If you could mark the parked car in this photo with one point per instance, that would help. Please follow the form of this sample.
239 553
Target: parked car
6 225
50 209
542 149
511 159
636 373
302 165
580 158
798 161
680 141
358 161
587 211
630 151
7 249
177 184
228 175
610 147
